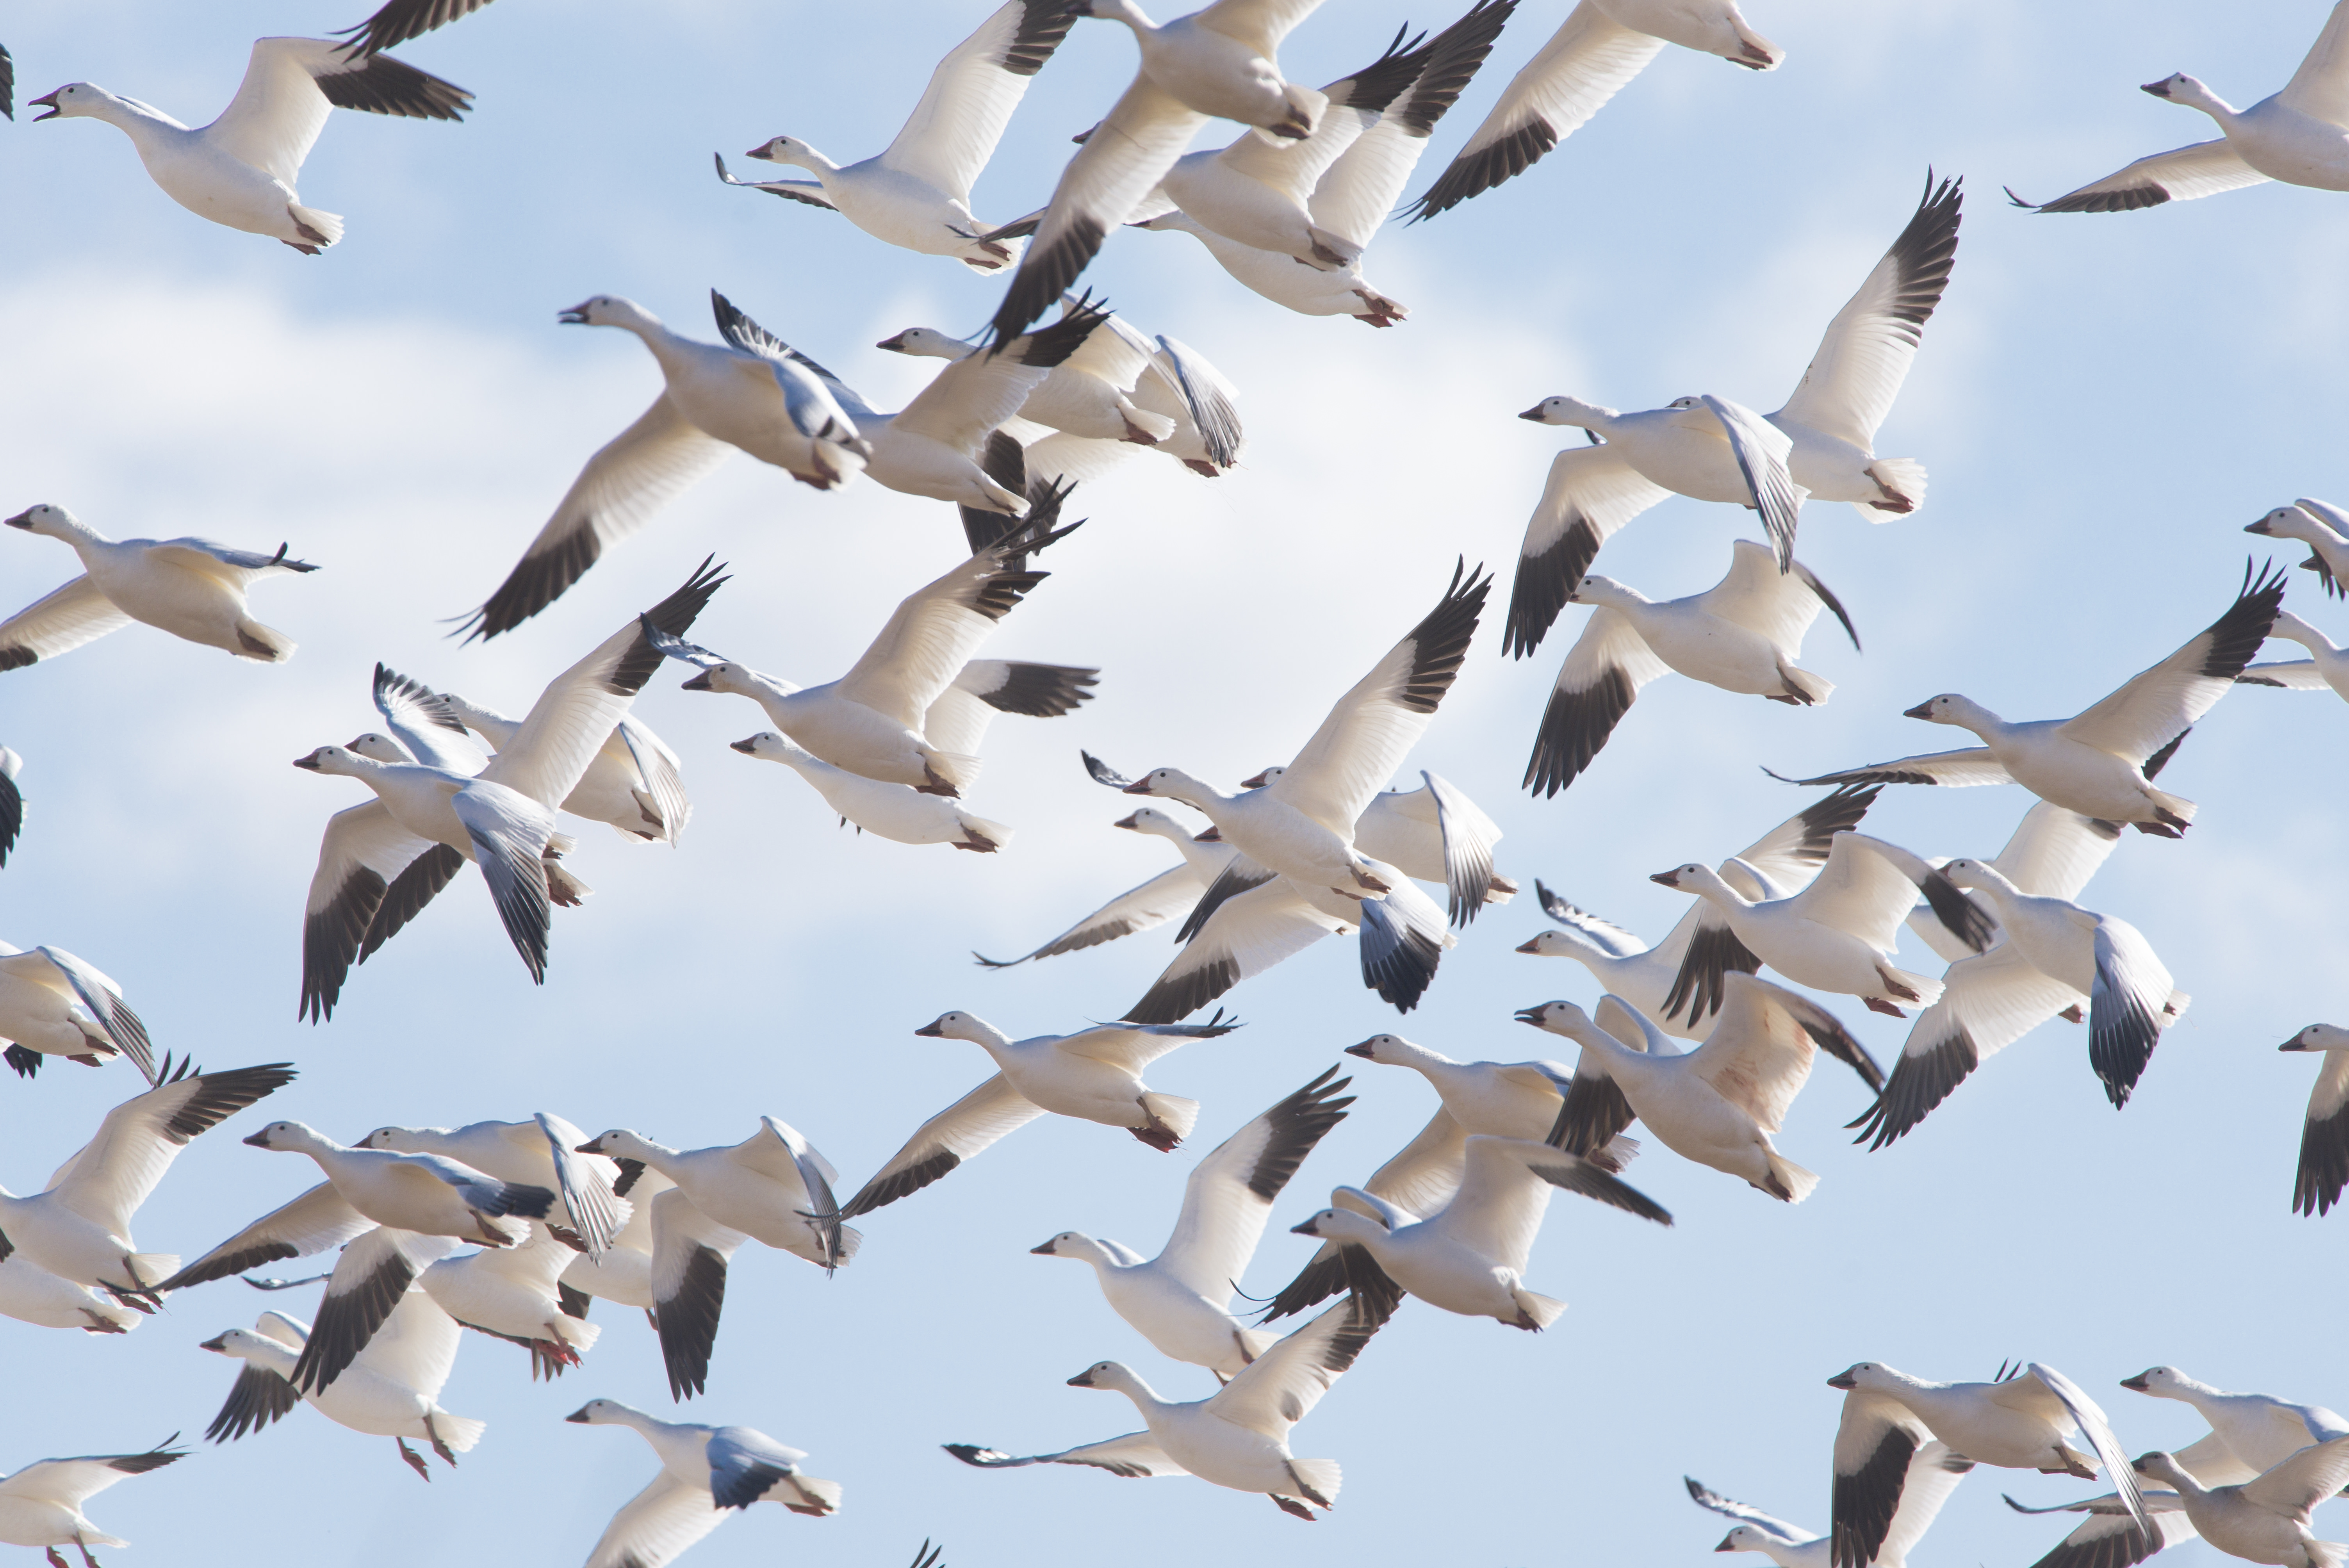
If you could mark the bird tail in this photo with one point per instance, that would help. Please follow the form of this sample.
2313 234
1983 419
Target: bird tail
1180 1115
1539 1311
817 1497
957 769
578 1335
2178 1002
1318 1479
1809 689
460 1432
327 226
147 1268
1905 478
1789 1182
563 887
982 834
266 643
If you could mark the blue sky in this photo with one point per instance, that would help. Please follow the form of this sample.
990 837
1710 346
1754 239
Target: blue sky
2102 404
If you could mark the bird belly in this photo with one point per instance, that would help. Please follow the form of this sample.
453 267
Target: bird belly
1830 470
1223 1452
35 1521
2080 777
1686 462
850 734
2297 148
1717 652
187 604
904 210
225 190
1174 1318
1214 73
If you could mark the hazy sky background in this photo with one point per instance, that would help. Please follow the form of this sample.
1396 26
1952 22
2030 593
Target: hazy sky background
2103 403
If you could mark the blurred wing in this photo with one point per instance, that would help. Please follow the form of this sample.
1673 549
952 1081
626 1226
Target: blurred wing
1246 937
944 1142
1280 1387
1988 1001
137 1143
1595 687
316 1221
2156 706
1591 493
2182 174
657 1524
1230 1193
1154 903
1137 1454
952 132
58 623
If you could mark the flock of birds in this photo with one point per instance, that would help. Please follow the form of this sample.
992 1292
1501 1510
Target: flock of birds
512 1228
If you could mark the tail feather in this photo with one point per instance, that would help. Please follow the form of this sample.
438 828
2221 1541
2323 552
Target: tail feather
328 225
1789 1181
1318 1478
1542 1310
460 1432
1811 689
1180 1114
149 1268
578 1335
562 888
266 643
816 1496
955 768
979 831
1904 477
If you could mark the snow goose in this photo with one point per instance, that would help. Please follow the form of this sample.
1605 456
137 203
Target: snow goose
2101 762
772 1187
706 1471
1207 437
393 1210
1836 934
715 397
1503 1100
380 863
1780 863
2299 136
2265 1519
392 1389
624 1270
1161 899
54 1004
2324 528
240 170
1933 1474
33 1295
1603 45
917 193
2099 960
1470 1257
2327 668
1299 875
79 1227
1991 998
893 811
1829 424
1095 1074
932 445
516 1294
40 1505
1219 62
1238 1436
12 802
1742 635
1181 1300
2110 1537
873 720
541 1153
191 588
1364 181
1434 833
2018 1423
1254 191
2249 1432
1716 1105
1089 394
2324 1134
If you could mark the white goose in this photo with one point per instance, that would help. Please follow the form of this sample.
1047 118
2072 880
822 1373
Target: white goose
1375 153
541 1153
1716 1105
715 399
2101 762
1434 833
2249 1432
1993 997
1470 1256
78 1227
1219 62
1824 435
380 863
393 1210
2325 1134
2110 1538
240 170
2265 1519
1780 863
773 1187
894 811
12 802
2326 667
1836 934
932 445
52 1004
1742 635
40 1505
1933 1474
1181 1300
705 1472
2324 528
392 1389
1299 875
624 1272
917 192
516 1294
1161 899
1603 45
2020 1423
1090 393
191 588
1181 387
1094 1074
874 720
30 1294
2299 136
1239 1437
